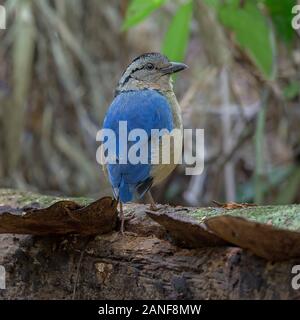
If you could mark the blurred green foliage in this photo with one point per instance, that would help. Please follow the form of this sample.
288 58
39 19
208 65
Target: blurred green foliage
177 35
252 33
281 15
138 10
292 90
251 21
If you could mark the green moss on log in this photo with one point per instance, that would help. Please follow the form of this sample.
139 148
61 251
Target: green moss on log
285 216
16 198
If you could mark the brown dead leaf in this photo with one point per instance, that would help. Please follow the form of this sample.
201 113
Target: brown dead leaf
186 232
263 240
63 217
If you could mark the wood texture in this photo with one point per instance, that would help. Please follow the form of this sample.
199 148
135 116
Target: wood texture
145 263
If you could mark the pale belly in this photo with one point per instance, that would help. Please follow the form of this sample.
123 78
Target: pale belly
160 171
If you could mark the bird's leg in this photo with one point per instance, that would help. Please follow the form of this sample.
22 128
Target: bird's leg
122 217
153 206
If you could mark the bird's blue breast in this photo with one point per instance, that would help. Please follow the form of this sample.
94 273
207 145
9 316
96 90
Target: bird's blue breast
142 109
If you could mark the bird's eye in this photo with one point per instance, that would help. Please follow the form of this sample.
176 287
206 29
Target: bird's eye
149 66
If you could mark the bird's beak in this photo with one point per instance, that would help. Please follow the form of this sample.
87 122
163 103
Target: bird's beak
174 67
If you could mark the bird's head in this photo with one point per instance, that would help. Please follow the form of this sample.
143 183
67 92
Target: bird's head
149 71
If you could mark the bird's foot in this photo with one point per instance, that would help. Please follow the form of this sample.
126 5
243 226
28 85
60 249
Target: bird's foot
125 218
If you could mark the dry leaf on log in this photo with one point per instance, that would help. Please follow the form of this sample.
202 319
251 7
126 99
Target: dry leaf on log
62 217
271 232
185 231
263 240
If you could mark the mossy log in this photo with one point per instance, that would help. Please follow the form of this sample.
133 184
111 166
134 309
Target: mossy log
169 254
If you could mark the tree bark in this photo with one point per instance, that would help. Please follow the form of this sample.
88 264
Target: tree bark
142 264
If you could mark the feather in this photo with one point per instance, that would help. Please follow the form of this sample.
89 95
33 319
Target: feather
142 109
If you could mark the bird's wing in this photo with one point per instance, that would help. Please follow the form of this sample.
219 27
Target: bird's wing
143 109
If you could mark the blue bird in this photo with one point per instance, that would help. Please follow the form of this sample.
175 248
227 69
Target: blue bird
144 99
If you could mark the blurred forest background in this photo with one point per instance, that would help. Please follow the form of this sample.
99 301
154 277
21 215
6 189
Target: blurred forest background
61 60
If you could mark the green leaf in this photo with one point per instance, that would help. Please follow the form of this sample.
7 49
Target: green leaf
138 10
291 91
252 32
281 14
176 38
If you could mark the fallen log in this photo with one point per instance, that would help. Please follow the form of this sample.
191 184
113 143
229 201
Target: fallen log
169 258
